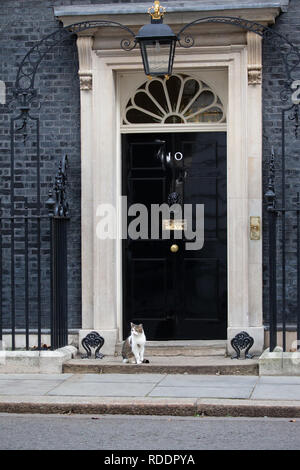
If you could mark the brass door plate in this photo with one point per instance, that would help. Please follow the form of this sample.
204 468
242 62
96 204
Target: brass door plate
177 224
255 227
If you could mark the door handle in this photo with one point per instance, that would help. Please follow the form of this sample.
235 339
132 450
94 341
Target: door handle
174 248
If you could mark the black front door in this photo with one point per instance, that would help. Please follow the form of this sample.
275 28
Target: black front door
181 294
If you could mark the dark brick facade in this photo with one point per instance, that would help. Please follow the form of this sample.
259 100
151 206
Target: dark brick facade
22 22
288 24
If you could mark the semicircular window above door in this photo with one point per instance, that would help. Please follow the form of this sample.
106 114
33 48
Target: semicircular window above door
181 99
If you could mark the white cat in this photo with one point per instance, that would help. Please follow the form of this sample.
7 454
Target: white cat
134 346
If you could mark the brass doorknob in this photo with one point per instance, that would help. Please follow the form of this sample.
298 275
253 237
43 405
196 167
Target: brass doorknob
174 248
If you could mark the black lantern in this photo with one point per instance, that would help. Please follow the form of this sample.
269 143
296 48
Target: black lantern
157 42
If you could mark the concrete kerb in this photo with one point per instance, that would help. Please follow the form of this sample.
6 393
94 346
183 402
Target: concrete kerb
160 407
39 362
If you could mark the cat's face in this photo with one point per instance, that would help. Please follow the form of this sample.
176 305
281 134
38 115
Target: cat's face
136 329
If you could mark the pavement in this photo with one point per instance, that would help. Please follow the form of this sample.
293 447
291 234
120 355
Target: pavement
151 394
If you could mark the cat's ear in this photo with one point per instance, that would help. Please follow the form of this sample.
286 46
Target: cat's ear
141 325
131 324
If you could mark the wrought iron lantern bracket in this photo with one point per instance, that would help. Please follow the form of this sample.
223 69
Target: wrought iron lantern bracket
24 89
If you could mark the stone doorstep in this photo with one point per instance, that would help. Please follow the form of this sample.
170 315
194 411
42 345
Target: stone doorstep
39 362
210 365
183 348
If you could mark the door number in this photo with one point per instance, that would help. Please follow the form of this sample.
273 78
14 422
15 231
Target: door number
178 156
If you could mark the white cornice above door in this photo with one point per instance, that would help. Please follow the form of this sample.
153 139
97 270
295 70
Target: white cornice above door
178 12
265 10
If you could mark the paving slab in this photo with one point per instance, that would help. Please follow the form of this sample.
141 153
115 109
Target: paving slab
118 378
59 377
280 379
278 391
103 389
208 380
199 392
25 387
151 394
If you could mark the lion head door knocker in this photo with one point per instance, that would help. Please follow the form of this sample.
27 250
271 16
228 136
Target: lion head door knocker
92 340
242 341
174 198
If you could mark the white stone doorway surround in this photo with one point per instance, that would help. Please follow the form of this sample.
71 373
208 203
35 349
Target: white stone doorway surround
100 68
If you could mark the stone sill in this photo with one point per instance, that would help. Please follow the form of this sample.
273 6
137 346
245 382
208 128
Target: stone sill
278 362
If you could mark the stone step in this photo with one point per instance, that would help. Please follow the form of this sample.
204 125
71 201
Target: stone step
196 348
210 365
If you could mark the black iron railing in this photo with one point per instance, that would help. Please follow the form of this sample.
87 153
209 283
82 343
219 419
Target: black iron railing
59 216
33 281
278 261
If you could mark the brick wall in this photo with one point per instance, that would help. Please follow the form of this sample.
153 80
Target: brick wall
288 24
22 22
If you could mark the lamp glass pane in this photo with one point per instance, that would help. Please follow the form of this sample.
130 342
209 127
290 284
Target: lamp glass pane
158 54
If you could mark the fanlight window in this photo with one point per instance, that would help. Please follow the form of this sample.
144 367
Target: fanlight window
178 100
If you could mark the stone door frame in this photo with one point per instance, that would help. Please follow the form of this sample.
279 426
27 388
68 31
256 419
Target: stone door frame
101 181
